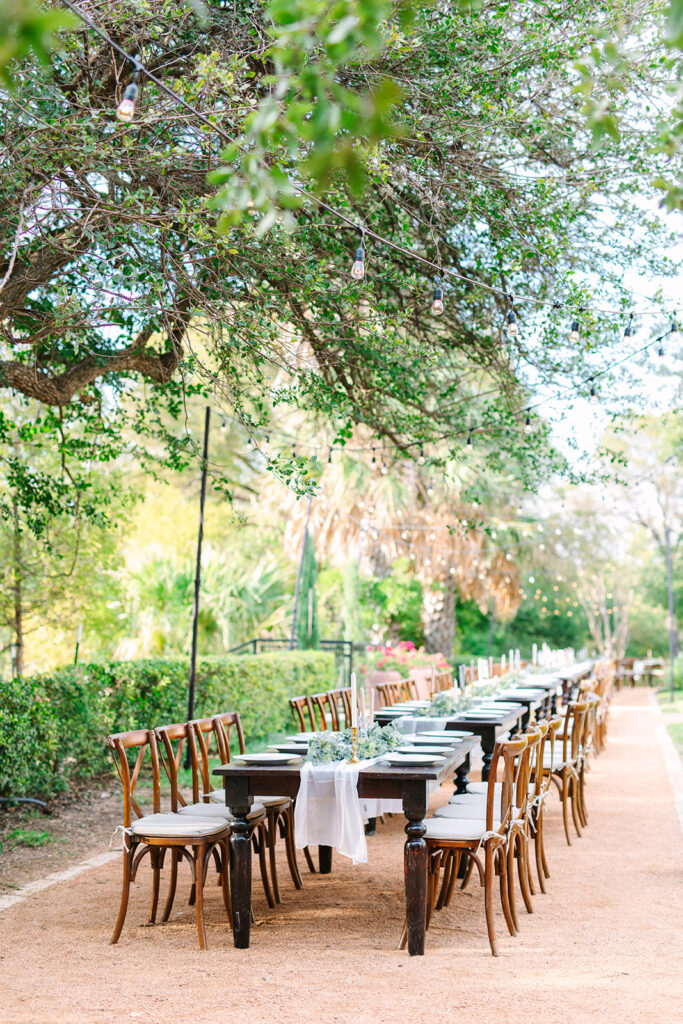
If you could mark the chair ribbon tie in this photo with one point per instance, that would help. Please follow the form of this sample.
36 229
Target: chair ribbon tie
489 834
121 830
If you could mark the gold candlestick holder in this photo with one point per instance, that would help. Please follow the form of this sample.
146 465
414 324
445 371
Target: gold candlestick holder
354 733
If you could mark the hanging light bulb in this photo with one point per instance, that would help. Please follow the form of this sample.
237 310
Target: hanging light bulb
126 109
512 324
373 460
660 350
527 423
358 268
437 301
421 456
574 333
593 394
329 457
469 441
384 469
628 330
674 334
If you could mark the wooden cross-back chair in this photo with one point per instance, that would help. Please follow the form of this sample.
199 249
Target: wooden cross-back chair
541 777
156 833
279 809
458 831
345 699
326 711
564 764
442 681
303 713
386 694
524 780
173 739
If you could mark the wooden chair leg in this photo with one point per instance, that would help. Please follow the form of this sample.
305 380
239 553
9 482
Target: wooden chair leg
468 872
457 861
287 823
565 806
309 860
488 898
504 891
522 871
172 882
527 864
433 872
510 856
448 869
574 796
272 840
156 880
125 892
261 841
225 878
199 872
538 850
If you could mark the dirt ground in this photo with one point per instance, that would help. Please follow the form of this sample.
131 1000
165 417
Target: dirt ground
603 945
34 844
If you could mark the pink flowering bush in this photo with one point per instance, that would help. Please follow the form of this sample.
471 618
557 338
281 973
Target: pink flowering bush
400 657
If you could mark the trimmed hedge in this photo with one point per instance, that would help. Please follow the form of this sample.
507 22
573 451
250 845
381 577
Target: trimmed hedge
53 727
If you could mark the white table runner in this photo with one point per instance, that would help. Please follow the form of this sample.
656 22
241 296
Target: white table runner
328 810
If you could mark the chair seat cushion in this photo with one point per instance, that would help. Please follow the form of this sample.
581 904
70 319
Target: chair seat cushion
217 796
480 787
171 826
556 759
272 801
217 811
455 828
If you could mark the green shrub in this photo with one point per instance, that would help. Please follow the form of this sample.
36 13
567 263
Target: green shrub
53 727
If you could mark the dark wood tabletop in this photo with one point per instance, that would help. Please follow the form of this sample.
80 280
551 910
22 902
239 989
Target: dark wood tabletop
382 781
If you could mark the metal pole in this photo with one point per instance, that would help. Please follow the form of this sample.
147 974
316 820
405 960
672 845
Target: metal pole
79 637
198 571
297 588
670 588
492 619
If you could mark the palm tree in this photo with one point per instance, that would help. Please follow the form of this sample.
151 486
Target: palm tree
372 512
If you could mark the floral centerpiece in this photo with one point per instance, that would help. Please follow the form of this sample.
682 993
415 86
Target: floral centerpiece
338 746
401 657
444 705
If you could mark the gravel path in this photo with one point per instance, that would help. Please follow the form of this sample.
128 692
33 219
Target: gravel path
602 946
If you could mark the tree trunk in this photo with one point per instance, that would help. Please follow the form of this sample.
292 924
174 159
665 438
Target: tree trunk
438 618
17 590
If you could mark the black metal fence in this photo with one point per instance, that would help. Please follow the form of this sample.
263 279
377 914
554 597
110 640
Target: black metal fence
342 649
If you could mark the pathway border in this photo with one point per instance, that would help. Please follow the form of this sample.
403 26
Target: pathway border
672 761
10 899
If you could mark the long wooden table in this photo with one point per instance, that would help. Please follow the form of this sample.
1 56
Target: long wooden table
487 730
380 781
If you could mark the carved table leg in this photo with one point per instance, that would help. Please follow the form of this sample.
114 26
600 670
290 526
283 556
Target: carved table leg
461 776
415 809
325 859
238 799
488 742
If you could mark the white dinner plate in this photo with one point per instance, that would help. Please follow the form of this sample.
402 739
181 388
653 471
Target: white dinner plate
448 736
266 757
301 737
290 748
413 760
423 740
414 703
421 749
